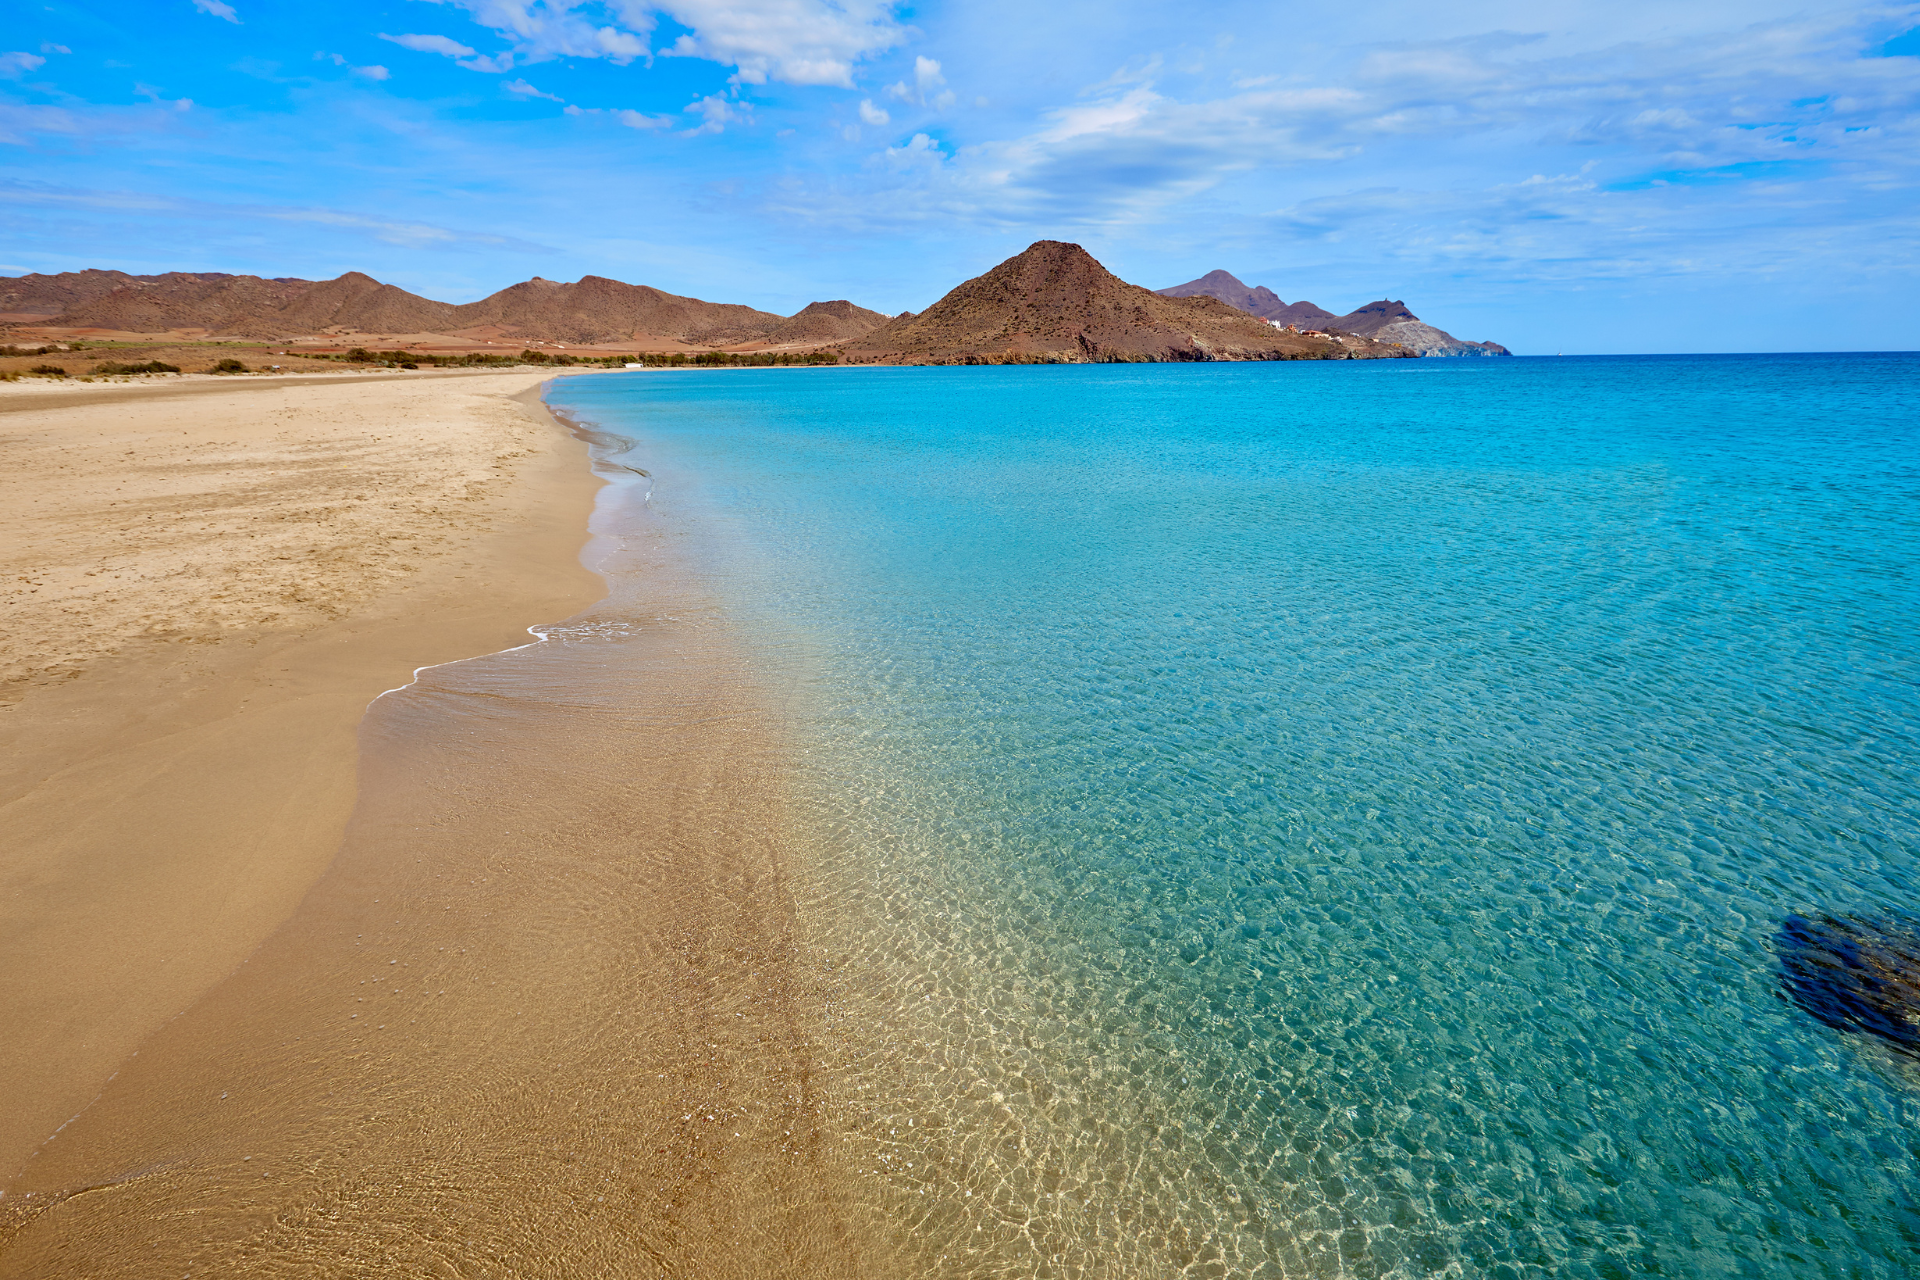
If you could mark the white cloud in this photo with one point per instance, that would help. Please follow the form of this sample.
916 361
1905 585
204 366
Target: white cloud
872 114
373 73
541 30
18 64
432 44
813 42
50 47
716 112
151 94
795 41
521 89
926 79
626 117
471 59
217 9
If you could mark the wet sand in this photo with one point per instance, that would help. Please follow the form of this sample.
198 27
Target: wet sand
546 1013
204 588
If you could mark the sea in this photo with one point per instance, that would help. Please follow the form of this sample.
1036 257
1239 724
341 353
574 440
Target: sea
1329 818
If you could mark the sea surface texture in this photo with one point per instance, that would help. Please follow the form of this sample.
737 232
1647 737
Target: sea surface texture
1335 819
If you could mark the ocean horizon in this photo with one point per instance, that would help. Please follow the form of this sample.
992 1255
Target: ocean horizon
1326 818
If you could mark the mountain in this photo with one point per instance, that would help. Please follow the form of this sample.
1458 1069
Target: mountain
1054 303
1382 321
592 310
825 322
244 306
1259 301
35 299
596 309
1389 321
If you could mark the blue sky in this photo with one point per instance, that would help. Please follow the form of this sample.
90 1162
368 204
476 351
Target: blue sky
1618 176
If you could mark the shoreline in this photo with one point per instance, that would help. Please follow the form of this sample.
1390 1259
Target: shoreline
546 1011
172 798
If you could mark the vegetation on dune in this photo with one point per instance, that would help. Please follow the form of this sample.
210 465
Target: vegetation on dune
50 370
229 365
563 359
151 366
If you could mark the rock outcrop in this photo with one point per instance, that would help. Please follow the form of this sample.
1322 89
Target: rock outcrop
1383 321
1054 304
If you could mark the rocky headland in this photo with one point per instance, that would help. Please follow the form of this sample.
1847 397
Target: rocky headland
1382 321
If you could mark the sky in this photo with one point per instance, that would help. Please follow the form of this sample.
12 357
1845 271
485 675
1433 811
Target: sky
1586 176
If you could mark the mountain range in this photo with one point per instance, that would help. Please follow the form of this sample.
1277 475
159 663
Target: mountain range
593 310
1383 321
1054 303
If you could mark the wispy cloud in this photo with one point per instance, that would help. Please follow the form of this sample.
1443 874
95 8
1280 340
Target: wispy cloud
393 231
521 89
217 9
15 65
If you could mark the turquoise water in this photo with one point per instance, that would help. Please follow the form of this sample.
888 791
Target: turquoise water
1311 819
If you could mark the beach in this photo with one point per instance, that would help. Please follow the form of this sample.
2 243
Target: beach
205 586
498 973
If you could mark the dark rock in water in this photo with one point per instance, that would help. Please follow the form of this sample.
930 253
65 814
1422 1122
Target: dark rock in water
1854 975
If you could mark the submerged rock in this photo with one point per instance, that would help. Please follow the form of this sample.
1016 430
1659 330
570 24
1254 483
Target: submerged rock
1854 975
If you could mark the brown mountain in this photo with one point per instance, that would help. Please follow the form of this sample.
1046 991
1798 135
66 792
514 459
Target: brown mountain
1054 303
36 299
825 322
596 309
245 306
592 310
1383 321
1259 300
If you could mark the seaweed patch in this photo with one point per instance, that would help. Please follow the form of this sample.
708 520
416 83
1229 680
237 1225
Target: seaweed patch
1854 975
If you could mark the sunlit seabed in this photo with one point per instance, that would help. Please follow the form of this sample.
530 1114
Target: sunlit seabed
1297 820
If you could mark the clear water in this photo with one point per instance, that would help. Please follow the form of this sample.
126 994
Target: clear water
1310 820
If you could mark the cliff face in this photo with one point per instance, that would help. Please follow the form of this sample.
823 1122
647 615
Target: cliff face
1054 303
1383 321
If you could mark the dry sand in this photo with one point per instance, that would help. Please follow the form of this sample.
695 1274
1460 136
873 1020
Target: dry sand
528 1000
204 584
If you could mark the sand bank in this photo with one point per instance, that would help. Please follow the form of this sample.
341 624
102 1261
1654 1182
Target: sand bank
204 584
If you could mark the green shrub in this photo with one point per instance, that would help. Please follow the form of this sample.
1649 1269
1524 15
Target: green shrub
227 364
151 366
51 370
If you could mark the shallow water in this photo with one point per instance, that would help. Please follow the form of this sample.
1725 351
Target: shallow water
1311 820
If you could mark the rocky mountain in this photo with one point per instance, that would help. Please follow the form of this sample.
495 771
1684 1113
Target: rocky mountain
243 306
1054 303
1390 321
595 309
592 310
825 322
1382 321
1259 301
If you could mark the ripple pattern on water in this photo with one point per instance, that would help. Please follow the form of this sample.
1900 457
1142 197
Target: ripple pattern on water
1335 821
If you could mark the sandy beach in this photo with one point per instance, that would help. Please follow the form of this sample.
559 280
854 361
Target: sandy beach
204 586
500 975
